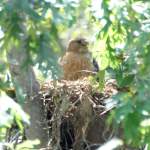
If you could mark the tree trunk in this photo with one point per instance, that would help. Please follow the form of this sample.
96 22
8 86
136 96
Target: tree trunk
24 79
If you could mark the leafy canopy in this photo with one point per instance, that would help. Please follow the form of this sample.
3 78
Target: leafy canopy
125 31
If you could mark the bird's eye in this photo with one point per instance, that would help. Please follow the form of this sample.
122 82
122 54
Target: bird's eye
79 41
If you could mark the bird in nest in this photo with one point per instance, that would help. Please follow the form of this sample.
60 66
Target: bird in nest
77 61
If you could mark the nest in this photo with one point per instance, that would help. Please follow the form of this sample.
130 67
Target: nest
73 110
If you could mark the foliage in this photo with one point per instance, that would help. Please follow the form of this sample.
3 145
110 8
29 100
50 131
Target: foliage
27 145
36 25
11 114
124 27
125 31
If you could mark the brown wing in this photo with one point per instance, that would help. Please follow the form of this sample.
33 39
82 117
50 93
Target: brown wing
75 64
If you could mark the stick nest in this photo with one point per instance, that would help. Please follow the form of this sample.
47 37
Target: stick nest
75 101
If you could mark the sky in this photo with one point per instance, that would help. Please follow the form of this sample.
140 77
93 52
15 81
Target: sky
96 7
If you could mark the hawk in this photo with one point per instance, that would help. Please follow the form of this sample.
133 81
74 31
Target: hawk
76 62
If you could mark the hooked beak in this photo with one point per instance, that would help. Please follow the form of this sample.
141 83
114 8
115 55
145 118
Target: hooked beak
84 42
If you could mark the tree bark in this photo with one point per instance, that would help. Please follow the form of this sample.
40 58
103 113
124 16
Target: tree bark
24 78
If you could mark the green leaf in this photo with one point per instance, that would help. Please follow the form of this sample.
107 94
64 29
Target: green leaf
101 76
29 144
131 128
127 80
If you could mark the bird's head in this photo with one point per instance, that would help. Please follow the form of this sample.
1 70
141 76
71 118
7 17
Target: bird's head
79 45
